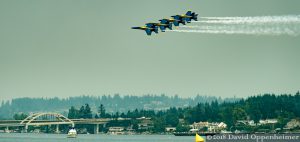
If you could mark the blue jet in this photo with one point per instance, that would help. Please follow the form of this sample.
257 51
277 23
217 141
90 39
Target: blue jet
179 20
170 21
188 17
162 26
148 28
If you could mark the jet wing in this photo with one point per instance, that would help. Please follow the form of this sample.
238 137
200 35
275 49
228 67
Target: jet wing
148 32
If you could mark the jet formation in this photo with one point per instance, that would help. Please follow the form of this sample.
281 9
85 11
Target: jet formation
168 23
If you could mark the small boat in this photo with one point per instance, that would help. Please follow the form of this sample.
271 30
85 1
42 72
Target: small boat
72 133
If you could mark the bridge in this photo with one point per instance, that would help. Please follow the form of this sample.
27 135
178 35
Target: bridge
46 119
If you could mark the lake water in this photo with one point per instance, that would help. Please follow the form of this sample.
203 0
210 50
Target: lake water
27 137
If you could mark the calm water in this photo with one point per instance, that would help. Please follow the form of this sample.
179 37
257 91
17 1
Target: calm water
12 137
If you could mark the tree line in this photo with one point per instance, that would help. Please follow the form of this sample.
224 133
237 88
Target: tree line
268 106
113 103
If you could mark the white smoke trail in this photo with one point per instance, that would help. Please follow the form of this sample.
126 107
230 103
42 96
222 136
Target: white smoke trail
231 32
259 25
261 19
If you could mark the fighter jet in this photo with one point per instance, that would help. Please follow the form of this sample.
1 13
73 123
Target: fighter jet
188 17
191 16
162 26
148 29
178 20
170 21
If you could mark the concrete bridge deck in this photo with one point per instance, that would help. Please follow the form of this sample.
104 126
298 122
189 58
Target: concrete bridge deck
34 120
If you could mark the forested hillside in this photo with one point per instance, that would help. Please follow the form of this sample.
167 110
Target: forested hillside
114 103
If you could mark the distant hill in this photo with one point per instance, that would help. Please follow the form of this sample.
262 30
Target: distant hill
114 103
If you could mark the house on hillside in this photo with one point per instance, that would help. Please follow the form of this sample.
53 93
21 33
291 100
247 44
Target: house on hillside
294 123
145 123
268 121
211 126
247 122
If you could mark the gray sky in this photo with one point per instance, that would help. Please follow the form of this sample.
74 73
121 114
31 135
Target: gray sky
67 48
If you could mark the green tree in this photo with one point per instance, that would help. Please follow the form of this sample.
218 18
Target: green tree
81 112
172 120
226 114
87 112
182 128
101 111
96 116
159 124
135 125
73 113
238 114
20 116
255 113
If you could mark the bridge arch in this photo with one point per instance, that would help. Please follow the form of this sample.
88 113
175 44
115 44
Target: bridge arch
31 120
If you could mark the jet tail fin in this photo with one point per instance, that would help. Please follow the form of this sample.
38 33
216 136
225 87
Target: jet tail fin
194 16
189 13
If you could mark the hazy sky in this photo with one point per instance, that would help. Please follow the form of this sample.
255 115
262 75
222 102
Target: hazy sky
66 48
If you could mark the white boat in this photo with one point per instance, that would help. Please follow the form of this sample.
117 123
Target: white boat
72 133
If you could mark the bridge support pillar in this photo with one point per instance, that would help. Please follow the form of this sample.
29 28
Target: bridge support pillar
26 128
96 129
57 129
6 129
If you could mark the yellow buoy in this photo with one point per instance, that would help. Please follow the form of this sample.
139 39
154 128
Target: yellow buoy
199 138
